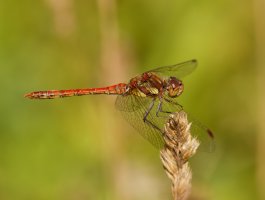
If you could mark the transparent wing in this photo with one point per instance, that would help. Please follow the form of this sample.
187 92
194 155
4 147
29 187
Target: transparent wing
198 129
131 103
134 108
179 70
203 133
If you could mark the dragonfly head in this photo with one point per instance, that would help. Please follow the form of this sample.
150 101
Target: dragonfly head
174 87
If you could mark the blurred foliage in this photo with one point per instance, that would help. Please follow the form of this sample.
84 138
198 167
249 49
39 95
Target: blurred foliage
80 148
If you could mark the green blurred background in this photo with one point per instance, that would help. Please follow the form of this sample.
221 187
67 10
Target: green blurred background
81 148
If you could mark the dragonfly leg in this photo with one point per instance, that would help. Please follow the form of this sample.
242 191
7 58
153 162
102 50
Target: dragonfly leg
174 103
159 109
146 115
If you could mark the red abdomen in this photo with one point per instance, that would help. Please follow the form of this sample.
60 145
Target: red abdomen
51 94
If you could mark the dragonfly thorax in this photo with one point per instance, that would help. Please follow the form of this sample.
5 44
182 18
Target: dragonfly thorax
174 87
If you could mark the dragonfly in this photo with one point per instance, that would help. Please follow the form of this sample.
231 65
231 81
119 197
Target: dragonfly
146 101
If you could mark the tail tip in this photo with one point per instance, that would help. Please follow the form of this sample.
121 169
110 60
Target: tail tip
28 95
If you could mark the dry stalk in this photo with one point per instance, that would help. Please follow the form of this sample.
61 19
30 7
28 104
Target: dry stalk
179 147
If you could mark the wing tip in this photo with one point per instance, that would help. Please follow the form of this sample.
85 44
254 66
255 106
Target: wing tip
194 61
210 133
